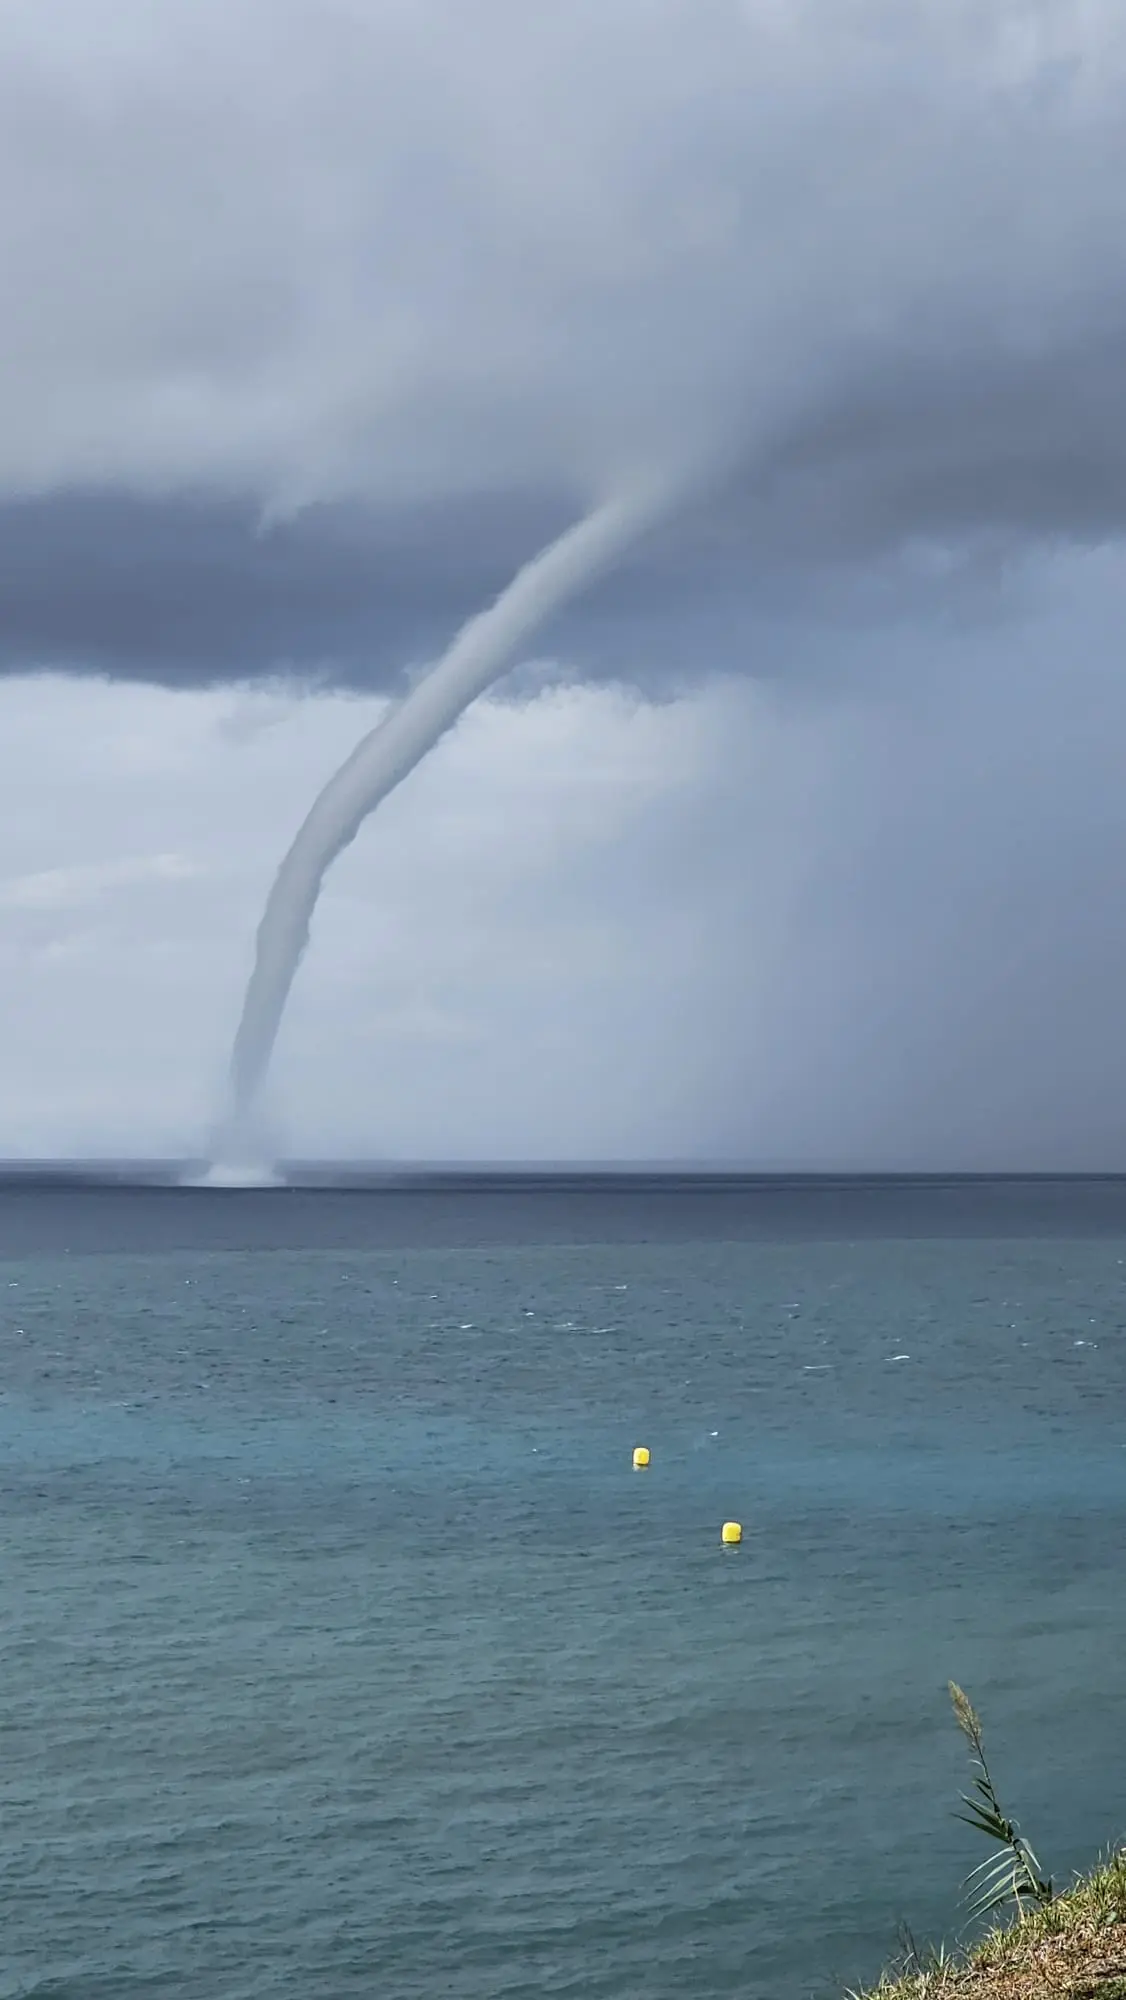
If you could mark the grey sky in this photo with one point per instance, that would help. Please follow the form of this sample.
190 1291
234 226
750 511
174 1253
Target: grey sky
319 317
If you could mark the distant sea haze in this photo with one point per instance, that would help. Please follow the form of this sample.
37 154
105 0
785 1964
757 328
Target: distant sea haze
92 1205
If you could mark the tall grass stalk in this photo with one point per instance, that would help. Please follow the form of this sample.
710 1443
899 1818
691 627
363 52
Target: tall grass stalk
1013 1876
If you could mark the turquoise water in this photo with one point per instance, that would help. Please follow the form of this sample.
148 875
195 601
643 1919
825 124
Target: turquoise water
345 1654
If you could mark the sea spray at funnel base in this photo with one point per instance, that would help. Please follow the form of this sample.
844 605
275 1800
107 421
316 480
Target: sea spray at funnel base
479 654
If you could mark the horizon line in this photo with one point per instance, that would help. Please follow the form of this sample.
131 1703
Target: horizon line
312 1170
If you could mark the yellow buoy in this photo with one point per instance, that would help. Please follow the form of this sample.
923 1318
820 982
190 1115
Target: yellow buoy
732 1534
641 1457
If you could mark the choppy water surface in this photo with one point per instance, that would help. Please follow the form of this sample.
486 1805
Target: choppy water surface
345 1654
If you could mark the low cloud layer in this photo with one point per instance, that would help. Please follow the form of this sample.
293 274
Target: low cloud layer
440 275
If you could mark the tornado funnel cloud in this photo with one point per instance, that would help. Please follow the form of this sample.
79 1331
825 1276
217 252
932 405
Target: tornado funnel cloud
480 653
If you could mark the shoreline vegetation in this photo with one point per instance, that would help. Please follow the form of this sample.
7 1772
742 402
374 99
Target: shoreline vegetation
1069 1945
1073 1948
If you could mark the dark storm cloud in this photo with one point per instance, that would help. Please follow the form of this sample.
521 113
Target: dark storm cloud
195 592
1026 451
199 591
430 278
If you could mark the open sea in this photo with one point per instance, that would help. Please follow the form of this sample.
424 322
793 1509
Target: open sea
345 1654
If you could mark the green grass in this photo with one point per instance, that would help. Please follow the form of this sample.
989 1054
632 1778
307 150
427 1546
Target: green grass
1071 1948
1013 1875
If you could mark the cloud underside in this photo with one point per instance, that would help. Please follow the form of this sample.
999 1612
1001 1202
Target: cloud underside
318 320
200 589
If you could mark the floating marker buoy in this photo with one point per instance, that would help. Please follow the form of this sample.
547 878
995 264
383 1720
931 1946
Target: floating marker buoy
640 1457
732 1534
